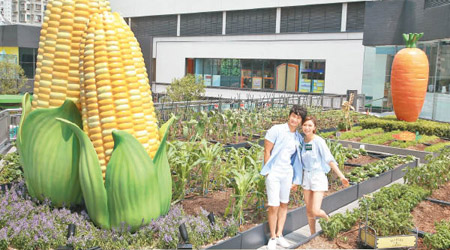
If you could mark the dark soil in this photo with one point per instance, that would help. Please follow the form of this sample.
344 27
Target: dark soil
442 193
421 147
362 160
215 202
425 214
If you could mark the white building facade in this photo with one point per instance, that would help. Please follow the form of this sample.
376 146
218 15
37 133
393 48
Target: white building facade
23 11
5 11
310 46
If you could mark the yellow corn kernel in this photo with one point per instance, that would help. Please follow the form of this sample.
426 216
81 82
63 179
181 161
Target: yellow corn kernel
58 53
113 82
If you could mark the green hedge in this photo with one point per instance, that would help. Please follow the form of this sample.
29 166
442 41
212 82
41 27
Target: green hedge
390 123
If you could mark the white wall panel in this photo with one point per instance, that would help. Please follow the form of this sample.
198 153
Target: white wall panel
133 8
344 58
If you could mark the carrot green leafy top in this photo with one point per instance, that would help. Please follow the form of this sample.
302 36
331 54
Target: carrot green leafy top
411 39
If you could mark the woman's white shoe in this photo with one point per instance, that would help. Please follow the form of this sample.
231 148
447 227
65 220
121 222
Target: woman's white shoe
282 242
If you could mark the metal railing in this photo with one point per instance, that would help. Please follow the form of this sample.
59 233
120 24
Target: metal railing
324 102
378 109
10 118
9 125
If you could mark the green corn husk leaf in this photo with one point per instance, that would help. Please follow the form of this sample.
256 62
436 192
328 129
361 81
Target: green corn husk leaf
131 183
133 193
91 179
49 153
26 109
163 169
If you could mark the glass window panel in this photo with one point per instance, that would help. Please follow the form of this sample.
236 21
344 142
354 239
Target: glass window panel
26 55
281 75
443 74
230 73
269 69
207 72
318 84
257 74
246 73
216 72
305 76
28 68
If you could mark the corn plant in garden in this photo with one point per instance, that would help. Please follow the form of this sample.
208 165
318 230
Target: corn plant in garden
243 183
245 180
182 158
209 155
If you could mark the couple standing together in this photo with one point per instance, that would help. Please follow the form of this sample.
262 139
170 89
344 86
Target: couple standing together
291 160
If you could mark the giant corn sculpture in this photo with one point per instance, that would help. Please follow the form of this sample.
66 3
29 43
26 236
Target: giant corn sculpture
57 76
67 154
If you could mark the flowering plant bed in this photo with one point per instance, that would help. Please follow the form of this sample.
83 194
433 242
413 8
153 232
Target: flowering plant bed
26 225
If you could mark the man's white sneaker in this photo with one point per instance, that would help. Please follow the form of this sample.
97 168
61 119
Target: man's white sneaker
272 244
282 242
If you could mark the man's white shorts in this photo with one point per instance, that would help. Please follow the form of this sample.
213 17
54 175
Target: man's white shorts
278 187
315 181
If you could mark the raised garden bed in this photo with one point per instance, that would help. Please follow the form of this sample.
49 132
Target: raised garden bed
387 150
425 215
296 218
396 139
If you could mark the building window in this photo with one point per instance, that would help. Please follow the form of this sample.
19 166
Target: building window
314 18
435 3
154 26
27 60
280 75
355 17
259 21
201 24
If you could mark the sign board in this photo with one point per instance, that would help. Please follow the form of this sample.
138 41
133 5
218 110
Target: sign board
397 241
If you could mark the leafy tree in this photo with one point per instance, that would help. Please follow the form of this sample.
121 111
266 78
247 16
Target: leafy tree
187 88
12 78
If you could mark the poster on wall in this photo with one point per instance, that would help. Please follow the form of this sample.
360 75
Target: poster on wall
9 54
305 85
256 82
207 79
216 80
318 86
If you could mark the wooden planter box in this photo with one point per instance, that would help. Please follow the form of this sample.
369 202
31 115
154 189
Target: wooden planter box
368 238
